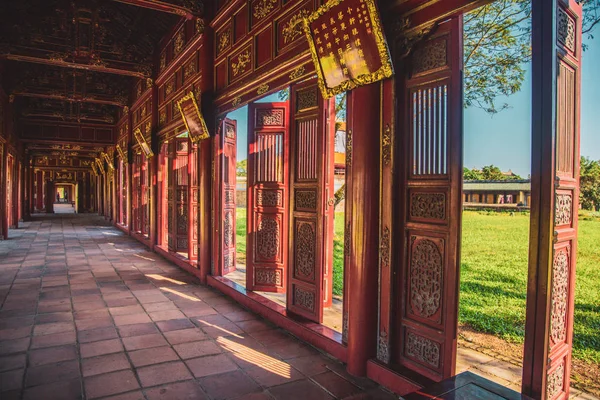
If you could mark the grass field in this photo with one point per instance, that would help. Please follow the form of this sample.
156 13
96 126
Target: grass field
494 276
494 279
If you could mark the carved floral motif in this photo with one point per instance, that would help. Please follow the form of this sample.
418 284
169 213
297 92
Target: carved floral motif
349 148
428 205
555 382
566 29
179 42
268 117
262 8
268 238
304 298
293 28
162 64
384 251
297 73
386 145
422 349
265 276
268 198
224 40
228 229
430 56
305 250
229 199
189 70
560 291
306 199
383 348
426 270
239 66
262 89
563 209
306 99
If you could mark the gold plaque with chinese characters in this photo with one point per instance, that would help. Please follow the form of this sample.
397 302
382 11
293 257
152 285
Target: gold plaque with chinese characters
192 118
348 46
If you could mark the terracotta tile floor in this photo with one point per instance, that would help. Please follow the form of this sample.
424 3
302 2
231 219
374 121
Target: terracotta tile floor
88 312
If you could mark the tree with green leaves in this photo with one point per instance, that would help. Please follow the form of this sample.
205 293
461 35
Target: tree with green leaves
589 184
497 46
488 173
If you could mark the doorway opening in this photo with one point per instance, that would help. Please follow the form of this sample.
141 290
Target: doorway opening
496 190
65 198
276 169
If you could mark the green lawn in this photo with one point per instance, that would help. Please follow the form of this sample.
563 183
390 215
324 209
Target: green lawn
494 275
494 279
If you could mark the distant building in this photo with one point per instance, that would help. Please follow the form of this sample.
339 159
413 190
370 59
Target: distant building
497 193
340 149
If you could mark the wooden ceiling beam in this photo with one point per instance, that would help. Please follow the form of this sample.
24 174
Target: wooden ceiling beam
162 6
64 97
139 72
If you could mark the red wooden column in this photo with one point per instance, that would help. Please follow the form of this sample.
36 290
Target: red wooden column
3 191
363 121
204 208
39 189
554 198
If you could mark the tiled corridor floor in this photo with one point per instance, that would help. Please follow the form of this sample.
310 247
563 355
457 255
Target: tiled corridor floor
88 312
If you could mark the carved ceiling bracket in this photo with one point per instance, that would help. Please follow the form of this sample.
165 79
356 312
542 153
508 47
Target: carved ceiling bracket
405 37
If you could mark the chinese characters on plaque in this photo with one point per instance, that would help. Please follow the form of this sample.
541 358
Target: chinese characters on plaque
192 118
347 45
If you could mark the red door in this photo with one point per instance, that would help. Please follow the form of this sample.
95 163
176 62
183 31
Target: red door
194 194
432 176
181 193
311 235
227 171
267 197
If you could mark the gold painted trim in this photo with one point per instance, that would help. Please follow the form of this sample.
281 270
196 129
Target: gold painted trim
385 71
204 134
141 140
108 160
100 165
122 154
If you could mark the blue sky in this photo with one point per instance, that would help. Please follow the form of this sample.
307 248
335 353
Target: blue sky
503 139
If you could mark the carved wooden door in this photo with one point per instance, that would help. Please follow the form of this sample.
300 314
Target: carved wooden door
312 136
171 203
425 339
137 194
227 171
146 196
181 193
267 196
163 187
194 195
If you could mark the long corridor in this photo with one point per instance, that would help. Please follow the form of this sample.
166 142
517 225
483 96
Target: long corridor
88 312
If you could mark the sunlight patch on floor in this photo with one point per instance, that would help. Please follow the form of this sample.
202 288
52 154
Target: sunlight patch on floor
257 358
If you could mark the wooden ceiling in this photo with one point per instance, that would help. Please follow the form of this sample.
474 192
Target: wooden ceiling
77 60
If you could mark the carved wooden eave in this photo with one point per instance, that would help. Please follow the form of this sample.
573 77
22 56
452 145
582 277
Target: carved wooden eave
114 101
184 8
63 60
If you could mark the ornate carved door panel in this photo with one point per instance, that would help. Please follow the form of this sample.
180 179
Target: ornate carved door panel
163 188
425 339
146 195
181 193
267 196
554 198
137 194
227 171
171 202
194 194
311 233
